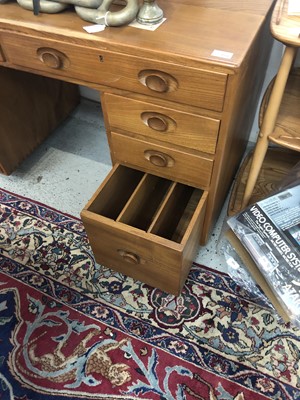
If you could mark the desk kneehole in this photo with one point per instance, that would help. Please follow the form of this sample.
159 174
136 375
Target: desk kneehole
145 226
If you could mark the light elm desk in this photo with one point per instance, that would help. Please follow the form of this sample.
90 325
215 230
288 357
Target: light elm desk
178 103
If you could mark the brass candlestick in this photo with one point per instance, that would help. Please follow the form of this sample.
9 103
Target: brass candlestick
150 13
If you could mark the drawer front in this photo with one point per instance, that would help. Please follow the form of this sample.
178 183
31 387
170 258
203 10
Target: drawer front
147 248
133 256
201 88
162 161
160 123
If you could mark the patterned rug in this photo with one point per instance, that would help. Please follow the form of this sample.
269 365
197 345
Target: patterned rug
73 329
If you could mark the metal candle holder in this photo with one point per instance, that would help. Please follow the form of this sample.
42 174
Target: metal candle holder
150 13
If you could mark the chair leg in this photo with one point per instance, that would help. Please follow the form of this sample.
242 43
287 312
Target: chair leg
257 161
269 121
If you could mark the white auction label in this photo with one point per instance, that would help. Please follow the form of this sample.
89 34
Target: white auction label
94 28
222 54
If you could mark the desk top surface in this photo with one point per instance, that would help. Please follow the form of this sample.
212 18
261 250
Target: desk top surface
193 29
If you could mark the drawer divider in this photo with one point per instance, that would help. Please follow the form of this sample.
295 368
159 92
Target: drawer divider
128 209
142 205
175 214
160 210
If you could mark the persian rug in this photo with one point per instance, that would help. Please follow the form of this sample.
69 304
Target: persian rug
70 328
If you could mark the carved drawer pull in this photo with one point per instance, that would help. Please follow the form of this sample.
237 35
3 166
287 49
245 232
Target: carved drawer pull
158 81
158 122
52 58
159 159
129 257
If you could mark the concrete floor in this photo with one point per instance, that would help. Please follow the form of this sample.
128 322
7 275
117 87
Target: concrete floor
68 167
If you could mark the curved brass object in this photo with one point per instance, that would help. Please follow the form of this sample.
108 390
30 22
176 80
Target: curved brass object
81 3
95 11
45 6
102 15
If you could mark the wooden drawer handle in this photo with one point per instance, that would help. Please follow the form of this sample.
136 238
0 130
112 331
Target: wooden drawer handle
158 81
129 257
158 122
52 58
159 159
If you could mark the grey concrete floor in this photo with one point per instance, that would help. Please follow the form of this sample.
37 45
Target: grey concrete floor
69 166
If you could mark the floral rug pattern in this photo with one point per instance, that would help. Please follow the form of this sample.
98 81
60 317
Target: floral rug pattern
72 328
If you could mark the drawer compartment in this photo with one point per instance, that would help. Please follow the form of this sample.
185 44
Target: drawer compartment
160 123
199 87
145 227
161 160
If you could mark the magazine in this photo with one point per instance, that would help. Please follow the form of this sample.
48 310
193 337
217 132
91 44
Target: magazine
270 231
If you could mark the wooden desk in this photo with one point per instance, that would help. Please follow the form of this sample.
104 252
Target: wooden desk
178 102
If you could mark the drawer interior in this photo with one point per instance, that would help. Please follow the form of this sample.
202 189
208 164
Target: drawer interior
153 204
175 215
115 194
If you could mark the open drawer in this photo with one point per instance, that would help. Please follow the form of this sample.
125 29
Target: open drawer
145 226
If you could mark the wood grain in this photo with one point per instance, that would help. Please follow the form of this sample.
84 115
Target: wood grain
209 97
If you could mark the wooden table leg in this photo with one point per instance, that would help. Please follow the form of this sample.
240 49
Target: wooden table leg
269 121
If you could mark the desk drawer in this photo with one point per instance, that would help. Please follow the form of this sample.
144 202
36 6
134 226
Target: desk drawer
145 227
160 123
160 160
198 87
